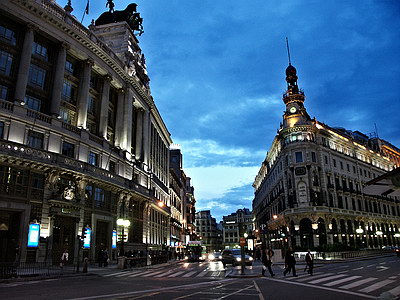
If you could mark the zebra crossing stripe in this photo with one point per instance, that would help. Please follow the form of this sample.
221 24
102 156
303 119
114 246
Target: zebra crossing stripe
358 283
202 273
396 291
176 274
336 282
139 274
376 286
326 279
189 274
302 276
313 277
164 274
153 273
118 273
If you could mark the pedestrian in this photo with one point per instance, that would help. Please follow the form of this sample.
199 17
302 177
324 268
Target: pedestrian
290 263
64 258
309 262
106 258
267 261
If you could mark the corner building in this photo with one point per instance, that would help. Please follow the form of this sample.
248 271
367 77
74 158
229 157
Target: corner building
309 189
82 143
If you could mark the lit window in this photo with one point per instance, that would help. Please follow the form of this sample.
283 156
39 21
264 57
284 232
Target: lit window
6 60
35 139
68 116
33 103
299 157
92 105
7 35
93 158
99 198
40 50
36 76
69 67
68 92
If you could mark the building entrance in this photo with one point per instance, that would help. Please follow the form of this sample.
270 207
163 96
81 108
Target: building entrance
64 237
9 235
102 237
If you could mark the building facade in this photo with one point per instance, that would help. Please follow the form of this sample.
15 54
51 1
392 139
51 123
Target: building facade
309 189
207 230
235 226
82 143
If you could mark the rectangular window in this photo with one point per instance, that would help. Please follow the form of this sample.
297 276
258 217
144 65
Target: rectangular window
33 103
6 60
99 198
299 157
313 157
1 130
348 168
35 139
40 50
7 35
326 159
93 158
37 76
341 165
68 149
69 66
3 92
112 167
354 170
68 116
91 105
68 92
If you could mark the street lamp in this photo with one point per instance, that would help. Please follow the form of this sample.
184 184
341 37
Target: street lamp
274 217
160 204
245 235
123 223
359 230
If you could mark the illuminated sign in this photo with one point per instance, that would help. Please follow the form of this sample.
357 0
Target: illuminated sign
114 239
86 240
33 235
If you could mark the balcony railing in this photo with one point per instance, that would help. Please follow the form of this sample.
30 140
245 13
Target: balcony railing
38 116
71 128
6 105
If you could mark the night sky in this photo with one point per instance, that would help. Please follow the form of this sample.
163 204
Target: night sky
217 71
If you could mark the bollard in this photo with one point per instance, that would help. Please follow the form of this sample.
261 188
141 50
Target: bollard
85 265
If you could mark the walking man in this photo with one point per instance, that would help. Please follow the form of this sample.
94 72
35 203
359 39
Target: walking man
290 263
267 262
310 262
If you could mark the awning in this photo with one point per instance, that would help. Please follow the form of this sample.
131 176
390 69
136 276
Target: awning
387 184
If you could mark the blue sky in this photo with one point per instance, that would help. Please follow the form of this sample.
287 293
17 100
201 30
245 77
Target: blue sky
217 76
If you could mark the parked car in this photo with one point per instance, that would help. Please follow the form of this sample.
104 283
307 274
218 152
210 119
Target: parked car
216 256
234 257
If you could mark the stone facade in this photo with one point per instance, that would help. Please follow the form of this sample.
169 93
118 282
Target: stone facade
309 189
82 143
235 226
208 231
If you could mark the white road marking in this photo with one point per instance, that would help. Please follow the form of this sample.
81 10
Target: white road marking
153 273
358 283
369 266
202 274
302 276
176 274
139 274
165 273
314 277
382 268
382 263
395 291
360 268
336 282
325 279
392 277
260 295
376 286
190 274
118 273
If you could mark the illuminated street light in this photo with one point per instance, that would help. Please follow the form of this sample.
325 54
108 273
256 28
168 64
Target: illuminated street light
359 230
314 226
379 233
160 204
245 235
274 217
397 235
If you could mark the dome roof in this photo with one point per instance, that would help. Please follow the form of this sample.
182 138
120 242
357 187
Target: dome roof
290 70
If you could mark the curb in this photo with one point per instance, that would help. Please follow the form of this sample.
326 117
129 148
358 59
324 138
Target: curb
44 277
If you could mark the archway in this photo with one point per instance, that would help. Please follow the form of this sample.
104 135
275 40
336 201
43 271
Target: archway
306 234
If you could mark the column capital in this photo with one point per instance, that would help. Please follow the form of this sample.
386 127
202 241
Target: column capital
64 45
31 27
121 91
89 62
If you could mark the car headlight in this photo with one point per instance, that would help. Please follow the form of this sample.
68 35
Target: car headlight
250 259
238 259
186 257
220 257
203 257
211 257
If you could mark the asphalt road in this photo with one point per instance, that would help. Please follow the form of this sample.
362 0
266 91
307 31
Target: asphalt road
351 280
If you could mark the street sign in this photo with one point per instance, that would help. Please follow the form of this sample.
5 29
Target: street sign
242 242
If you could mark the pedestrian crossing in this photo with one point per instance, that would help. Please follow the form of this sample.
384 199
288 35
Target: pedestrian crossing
168 273
352 283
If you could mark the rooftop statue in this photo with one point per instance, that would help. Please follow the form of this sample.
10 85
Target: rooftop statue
129 15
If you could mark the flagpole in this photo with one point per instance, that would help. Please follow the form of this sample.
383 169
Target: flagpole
86 11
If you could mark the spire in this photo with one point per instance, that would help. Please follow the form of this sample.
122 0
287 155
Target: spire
288 50
291 72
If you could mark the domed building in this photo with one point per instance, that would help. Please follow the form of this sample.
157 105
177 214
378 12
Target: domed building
309 189
82 143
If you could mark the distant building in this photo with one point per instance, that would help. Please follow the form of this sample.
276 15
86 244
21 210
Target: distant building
235 226
208 231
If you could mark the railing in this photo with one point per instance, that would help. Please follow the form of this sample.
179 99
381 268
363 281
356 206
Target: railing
38 116
96 139
71 128
6 105
10 270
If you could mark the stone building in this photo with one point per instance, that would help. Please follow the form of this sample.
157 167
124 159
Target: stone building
309 189
82 143
235 226
207 230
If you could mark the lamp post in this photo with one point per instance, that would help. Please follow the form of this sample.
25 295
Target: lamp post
123 223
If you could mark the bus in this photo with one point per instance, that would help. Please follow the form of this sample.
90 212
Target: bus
194 251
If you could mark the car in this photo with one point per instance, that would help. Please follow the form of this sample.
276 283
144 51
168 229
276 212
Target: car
234 257
397 251
216 256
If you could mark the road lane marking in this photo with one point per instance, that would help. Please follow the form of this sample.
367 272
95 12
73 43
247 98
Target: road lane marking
395 292
382 268
302 276
238 291
369 266
376 286
153 273
358 283
202 273
336 282
360 268
313 277
325 279
382 263
260 295
190 274
176 274
139 274
164 274
112 274
392 277
322 288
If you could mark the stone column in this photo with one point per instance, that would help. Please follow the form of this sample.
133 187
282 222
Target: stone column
58 80
146 137
119 118
105 98
24 64
139 134
127 125
83 93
